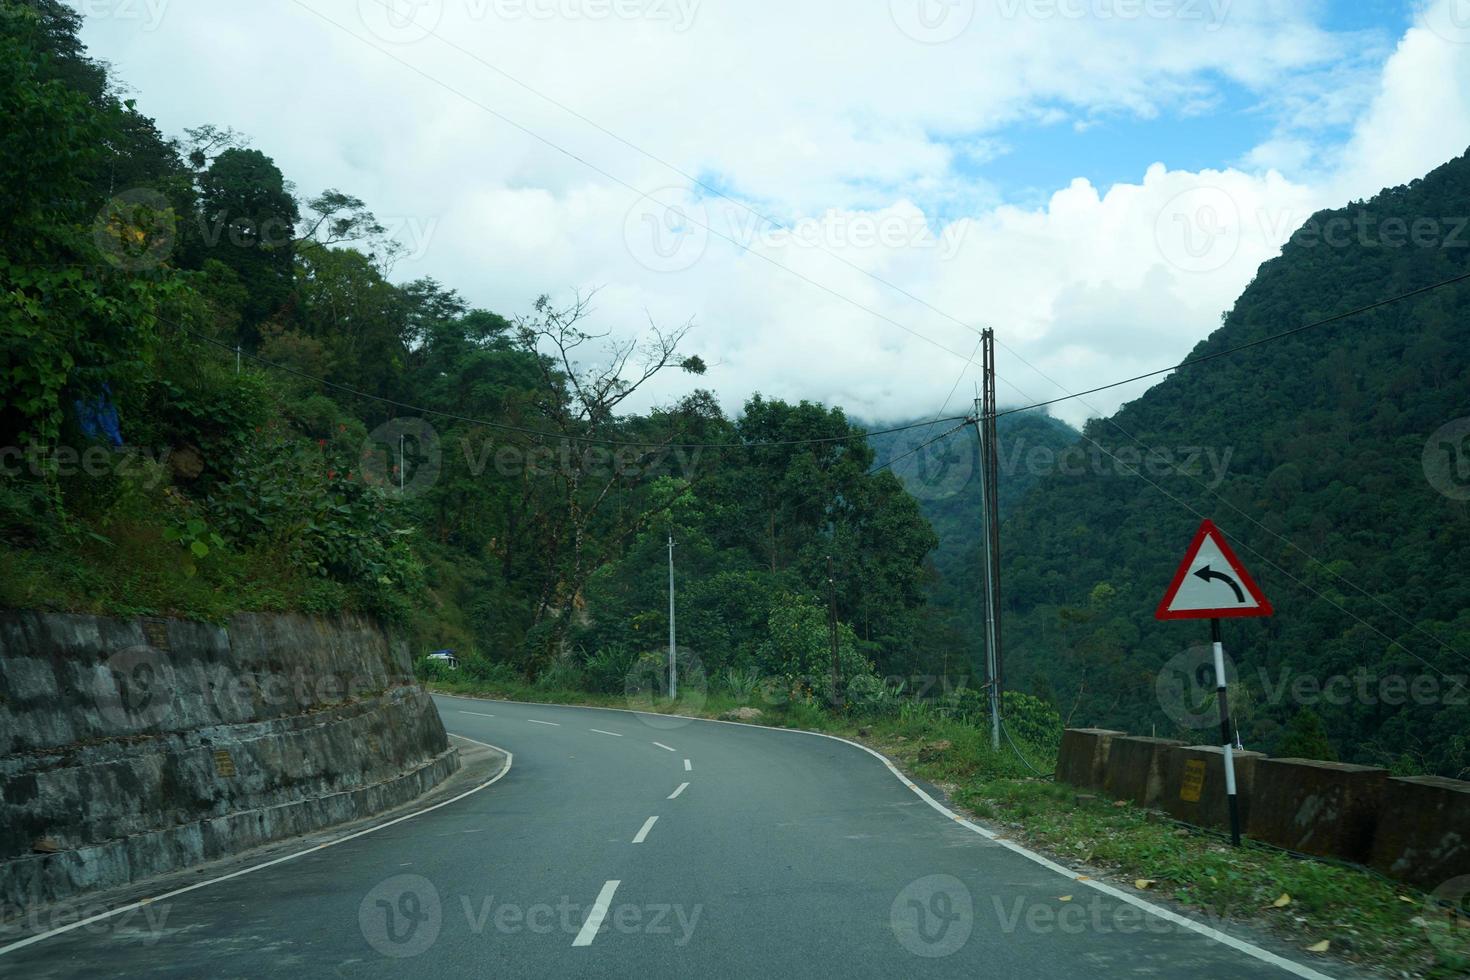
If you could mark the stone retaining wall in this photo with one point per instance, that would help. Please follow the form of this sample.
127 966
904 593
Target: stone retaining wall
129 748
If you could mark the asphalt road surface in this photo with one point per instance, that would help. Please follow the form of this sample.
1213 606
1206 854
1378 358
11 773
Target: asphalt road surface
627 845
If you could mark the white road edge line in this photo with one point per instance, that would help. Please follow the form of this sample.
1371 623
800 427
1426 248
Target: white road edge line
687 766
643 832
601 732
23 943
533 721
1209 932
589 928
480 713
682 788
666 748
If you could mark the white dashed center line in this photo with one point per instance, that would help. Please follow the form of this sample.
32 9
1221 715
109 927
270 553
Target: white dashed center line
666 748
480 713
598 913
601 732
535 722
682 788
643 831
687 766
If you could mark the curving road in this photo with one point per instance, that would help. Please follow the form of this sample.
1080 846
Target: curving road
620 844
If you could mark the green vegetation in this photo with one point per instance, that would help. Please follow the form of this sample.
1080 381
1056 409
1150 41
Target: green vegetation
944 479
1336 497
167 309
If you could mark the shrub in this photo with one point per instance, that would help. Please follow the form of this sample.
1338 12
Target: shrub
562 676
1031 720
798 645
740 684
305 504
965 704
426 669
607 670
870 695
483 670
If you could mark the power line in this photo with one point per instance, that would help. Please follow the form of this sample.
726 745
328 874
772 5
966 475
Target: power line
1153 452
923 445
1261 555
527 430
646 197
1233 350
672 168
1136 472
744 206
860 306
953 388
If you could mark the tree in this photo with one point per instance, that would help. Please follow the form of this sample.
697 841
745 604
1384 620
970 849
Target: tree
248 222
580 401
1306 738
71 323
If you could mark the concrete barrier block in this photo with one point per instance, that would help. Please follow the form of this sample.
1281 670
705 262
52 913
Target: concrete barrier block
1194 784
1135 768
1423 832
1083 757
1324 808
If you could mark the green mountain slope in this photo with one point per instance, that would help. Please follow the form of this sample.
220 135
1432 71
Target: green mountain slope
1345 495
943 478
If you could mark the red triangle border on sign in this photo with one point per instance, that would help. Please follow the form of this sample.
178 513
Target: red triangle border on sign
1207 529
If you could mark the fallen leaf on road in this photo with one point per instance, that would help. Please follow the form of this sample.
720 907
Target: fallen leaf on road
1319 947
1064 898
1282 902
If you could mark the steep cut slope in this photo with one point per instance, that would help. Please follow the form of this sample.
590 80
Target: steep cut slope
1346 493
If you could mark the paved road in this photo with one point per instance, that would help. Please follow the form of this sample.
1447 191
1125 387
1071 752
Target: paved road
630 845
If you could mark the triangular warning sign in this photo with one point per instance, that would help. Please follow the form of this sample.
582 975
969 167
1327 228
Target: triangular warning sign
1212 583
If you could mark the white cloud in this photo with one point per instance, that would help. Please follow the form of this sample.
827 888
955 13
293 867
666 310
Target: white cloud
829 117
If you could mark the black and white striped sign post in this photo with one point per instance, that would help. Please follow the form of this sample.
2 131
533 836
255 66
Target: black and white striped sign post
1212 584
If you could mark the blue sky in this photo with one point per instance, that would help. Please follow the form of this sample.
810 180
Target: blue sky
1003 174
1117 147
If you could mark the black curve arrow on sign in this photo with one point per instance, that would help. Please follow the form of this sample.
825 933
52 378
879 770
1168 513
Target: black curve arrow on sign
1208 573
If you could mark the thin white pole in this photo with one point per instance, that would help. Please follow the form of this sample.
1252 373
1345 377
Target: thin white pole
673 666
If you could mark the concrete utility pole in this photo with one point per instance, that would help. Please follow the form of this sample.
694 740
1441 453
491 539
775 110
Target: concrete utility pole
989 641
402 464
673 665
832 633
990 531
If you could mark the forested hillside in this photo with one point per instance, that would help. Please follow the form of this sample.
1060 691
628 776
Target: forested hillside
209 376
943 476
218 396
1344 495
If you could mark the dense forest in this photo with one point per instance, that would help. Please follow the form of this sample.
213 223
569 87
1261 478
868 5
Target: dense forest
939 465
218 398
1345 496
